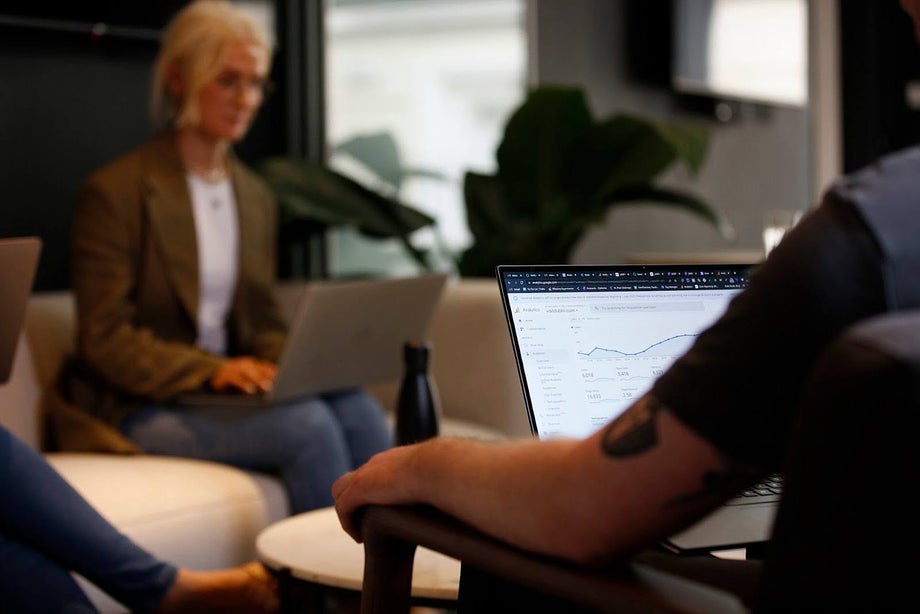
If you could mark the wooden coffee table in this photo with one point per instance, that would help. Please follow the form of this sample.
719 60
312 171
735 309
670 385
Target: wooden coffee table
316 560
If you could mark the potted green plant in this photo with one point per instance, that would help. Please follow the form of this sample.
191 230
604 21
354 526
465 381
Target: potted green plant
559 172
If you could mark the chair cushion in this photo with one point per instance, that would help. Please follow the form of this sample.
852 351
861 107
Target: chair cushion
194 513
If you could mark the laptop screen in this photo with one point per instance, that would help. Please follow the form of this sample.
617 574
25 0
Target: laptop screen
590 340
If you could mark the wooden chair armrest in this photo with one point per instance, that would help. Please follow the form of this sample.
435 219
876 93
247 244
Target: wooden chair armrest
391 534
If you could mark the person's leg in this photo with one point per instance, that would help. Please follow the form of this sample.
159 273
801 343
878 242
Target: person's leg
301 442
48 528
363 422
31 582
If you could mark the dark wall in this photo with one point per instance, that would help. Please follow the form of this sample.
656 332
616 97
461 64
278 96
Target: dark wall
880 57
69 103
65 109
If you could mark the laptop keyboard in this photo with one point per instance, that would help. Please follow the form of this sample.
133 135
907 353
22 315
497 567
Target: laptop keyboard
768 490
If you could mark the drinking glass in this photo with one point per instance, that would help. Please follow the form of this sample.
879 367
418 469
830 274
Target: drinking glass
776 223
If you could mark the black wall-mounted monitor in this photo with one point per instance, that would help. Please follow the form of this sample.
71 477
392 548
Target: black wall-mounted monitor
745 50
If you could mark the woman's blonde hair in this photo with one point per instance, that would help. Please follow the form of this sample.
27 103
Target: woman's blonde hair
193 44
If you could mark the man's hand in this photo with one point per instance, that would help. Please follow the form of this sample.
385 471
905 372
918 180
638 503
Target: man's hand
244 373
387 478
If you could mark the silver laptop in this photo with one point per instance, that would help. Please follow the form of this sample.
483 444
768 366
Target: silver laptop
344 334
590 340
18 262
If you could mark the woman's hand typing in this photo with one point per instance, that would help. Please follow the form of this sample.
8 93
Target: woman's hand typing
244 373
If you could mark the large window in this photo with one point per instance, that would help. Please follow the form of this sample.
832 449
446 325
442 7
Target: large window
438 76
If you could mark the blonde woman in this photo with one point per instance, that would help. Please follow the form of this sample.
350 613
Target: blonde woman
173 268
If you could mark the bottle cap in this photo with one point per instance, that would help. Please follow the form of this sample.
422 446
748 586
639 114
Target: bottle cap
416 354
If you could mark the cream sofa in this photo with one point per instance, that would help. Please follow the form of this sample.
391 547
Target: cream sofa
206 515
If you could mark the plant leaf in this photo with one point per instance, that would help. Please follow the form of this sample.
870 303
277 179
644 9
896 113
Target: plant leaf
681 200
537 141
688 140
619 152
498 236
486 212
626 151
378 152
310 190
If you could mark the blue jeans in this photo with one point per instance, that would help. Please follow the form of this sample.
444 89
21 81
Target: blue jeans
308 442
47 530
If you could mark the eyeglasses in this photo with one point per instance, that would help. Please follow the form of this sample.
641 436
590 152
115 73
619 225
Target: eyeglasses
233 82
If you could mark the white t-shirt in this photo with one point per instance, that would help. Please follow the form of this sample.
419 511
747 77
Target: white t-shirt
216 226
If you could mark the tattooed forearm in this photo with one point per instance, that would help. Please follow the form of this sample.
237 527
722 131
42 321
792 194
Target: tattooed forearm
635 431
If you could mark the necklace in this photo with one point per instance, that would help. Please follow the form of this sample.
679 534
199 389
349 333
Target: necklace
210 175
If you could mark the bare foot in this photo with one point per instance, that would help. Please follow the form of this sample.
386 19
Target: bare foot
245 589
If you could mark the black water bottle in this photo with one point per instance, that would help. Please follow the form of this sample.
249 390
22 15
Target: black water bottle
417 410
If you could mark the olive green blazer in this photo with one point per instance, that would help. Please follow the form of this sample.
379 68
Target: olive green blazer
134 273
